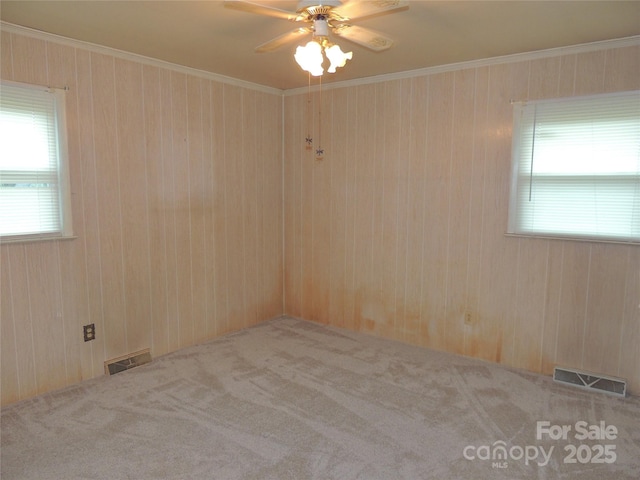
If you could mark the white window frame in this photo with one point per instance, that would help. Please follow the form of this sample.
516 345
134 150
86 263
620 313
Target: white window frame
554 198
63 222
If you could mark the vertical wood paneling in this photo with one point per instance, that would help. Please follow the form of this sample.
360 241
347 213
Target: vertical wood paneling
92 354
133 193
269 195
590 76
528 314
605 307
339 247
25 362
543 78
437 181
629 346
235 211
306 185
622 70
29 60
552 306
364 139
61 62
499 254
182 207
156 239
249 206
46 316
110 208
256 228
574 281
476 211
350 210
219 213
428 205
374 306
198 201
167 203
458 224
321 201
273 212
154 154
403 149
567 75
10 381
291 159
6 53
389 192
205 171
207 292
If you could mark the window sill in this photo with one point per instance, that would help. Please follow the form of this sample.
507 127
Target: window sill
14 241
574 239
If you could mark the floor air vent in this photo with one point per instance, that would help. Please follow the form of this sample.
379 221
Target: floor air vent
591 381
127 362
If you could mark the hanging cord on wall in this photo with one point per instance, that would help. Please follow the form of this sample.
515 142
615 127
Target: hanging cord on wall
309 139
320 149
533 147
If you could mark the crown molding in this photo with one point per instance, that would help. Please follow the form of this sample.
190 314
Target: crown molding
485 62
92 47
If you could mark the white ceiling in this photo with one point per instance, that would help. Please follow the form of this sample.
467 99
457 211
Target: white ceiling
207 36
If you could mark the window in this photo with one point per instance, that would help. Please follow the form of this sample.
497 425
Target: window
34 185
576 168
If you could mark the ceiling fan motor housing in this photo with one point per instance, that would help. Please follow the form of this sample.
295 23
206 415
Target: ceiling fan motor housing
320 27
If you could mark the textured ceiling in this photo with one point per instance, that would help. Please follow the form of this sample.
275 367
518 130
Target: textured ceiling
207 36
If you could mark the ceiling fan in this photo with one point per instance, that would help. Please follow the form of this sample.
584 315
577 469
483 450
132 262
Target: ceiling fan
319 17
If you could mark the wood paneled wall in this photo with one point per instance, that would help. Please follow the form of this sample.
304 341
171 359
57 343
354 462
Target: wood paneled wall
177 209
399 230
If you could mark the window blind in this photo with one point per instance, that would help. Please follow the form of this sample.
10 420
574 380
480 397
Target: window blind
31 167
576 168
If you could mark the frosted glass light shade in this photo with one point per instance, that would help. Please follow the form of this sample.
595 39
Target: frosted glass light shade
337 57
309 57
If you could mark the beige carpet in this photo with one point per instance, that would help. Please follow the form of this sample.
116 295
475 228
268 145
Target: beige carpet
289 399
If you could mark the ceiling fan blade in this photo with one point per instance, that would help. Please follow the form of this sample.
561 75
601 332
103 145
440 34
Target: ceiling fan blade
259 9
363 36
278 42
352 10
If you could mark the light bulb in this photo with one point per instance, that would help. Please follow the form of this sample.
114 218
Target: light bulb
337 57
309 57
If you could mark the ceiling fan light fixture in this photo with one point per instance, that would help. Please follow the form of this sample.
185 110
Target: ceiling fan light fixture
310 59
309 56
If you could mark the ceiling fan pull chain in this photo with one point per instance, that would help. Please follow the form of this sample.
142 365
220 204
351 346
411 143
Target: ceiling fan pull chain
309 139
320 150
